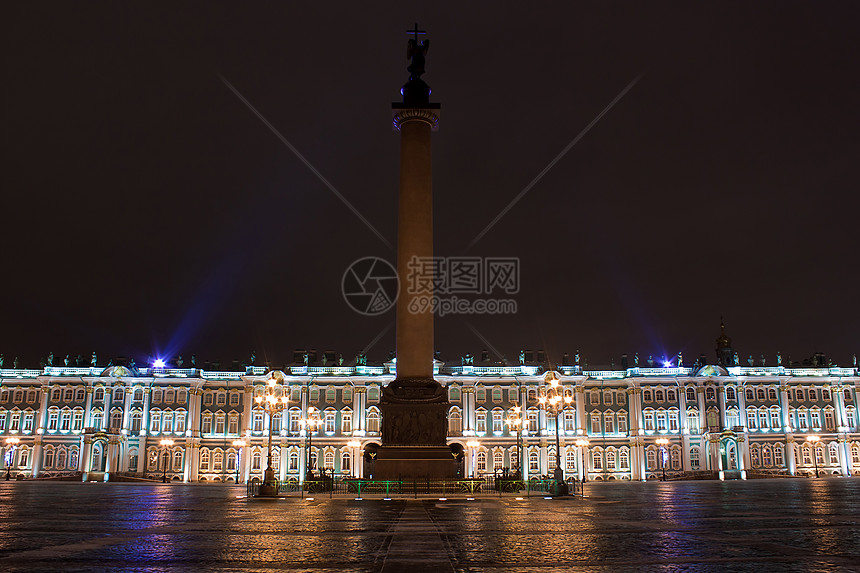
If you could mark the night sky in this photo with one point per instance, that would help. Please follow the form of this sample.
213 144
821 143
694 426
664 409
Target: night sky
148 212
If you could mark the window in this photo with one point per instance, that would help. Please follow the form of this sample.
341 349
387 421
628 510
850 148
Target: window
671 396
609 422
221 399
710 394
347 394
217 461
157 396
481 421
62 460
482 462
66 420
373 422
231 461
234 398
649 419
752 420
673 420
694 458
2 421
118 394
691 394
345 462
346 421
116 419
257 460
569 421
219 423
181 396
329 421
607 397
825 394
498 460
138 395
533 421
258 420
775 418
207 423
730 393
623 459
675 455
233 425
646 395
513 397
595 423
480 394
610 461
135 421
180 421
762 418
454 394
833 454
760 394
373 394
67 395
622 423
766 457
497 394
597 460
813 395
658 396
177 461
755 457
497 421
55 395
620 397
294 461
771 394
99 394
49 458
53 416
295 416
28 421
661 420
155 421
534 463
204 460
846 393
569 461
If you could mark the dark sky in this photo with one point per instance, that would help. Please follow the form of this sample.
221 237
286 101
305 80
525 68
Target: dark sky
147 211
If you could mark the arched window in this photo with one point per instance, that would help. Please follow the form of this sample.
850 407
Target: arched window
691 394
455 422
73 457
204 460
49 457
294 461
624 459
482 462
177 460
658 397
675 455
345 462
833 454
760 394
136 418
534 462
67 394
454 394
116 419
217 461
766 456
694 458
231 461
256 461
730 393
138 395
651 457
55 395
61 459
710 394
610 460
328 460
597 459
373 421
771 394
498 460
755 456
570 460
118 394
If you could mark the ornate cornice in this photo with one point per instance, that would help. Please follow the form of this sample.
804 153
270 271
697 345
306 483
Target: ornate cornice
428 116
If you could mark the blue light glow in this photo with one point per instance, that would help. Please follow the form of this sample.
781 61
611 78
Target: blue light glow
158 363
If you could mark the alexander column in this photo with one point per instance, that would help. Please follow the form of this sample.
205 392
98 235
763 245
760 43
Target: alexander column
414 406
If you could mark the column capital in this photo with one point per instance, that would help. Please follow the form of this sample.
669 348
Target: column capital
430 116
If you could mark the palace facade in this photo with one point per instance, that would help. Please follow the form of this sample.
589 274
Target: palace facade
195 425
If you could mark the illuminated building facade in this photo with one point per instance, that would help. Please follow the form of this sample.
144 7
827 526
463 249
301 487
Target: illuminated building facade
719 421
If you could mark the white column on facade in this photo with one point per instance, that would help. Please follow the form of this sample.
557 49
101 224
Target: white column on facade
580 409
188 465
685 426
144 417
106 411
85 461
721 404
88 407
36 466
744 457
742 407
790 454
841 420
703 415
247 413
467 394
357 417
43 410
283 455
784 406
126 408
111 456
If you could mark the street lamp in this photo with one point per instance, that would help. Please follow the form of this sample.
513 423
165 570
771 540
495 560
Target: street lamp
582 444
515 421
273 401
11 442
473 445
813 441
663 442
238 444
553 400
165 453
309 423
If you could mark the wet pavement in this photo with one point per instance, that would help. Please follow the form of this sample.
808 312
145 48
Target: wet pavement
763 525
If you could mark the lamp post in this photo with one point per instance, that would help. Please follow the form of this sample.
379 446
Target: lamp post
473 445
813 441
273 401
515 421
309 423
553 400
238 444
663 442
12 443
166 444
582 444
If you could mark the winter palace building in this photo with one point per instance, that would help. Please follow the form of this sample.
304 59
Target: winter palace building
725 421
